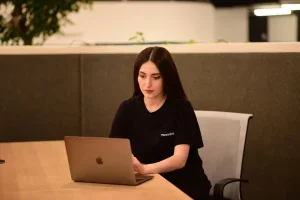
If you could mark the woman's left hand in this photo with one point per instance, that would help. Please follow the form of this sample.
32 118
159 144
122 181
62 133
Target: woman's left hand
138 166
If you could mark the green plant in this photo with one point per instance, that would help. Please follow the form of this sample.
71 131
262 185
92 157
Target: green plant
29 19
139 37
191 41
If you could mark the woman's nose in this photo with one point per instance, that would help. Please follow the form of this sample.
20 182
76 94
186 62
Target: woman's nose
148 82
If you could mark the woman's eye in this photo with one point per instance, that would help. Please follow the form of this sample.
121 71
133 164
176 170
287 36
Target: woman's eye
156 77
142 76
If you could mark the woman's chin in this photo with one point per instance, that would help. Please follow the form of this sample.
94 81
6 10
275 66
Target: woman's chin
153 96
149 96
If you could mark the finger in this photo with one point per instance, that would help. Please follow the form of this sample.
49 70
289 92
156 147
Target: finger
134 159
137 168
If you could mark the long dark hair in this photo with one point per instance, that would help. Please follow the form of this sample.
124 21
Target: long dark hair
162 58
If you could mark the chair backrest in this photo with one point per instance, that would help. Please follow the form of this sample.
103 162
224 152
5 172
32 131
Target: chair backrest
224 135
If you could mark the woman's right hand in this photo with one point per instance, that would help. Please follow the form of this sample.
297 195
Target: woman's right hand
138 167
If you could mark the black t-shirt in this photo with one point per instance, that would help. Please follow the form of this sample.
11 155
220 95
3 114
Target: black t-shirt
154 135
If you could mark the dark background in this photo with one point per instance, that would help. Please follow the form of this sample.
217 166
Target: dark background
229 3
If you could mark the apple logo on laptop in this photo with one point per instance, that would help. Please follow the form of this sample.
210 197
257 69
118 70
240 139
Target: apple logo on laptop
99 160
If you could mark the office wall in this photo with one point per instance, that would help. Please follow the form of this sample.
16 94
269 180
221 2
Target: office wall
231 24
283 28
175 21
159 21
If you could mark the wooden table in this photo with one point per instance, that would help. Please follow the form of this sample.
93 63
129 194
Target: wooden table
40 171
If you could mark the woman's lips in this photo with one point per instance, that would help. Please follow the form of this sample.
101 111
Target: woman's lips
149 91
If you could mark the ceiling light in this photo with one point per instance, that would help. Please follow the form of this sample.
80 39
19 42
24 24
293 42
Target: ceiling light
291 6
272 11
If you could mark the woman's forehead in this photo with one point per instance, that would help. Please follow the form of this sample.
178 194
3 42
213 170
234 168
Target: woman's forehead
149 68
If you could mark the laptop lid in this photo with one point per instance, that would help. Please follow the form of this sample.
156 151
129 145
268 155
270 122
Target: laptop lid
100 160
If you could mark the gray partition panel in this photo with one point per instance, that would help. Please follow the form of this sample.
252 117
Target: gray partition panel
268 86
39 97
106 81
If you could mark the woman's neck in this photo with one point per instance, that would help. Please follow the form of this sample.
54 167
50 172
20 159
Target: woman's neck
154 104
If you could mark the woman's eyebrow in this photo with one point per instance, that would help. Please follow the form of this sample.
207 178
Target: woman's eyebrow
154 74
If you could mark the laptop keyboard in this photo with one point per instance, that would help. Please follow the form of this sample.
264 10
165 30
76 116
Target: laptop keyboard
139 177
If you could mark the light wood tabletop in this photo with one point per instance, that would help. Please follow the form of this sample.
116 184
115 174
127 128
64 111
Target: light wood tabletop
40 171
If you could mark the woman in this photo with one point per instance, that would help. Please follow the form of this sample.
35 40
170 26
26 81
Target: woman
161 125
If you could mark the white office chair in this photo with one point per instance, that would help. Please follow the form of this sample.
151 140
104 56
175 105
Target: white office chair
224 135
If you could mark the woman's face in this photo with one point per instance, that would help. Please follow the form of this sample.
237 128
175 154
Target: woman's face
150 81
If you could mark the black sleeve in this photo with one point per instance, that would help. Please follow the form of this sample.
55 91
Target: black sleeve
119 127
187 130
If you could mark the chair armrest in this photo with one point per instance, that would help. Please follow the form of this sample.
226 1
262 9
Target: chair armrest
220 185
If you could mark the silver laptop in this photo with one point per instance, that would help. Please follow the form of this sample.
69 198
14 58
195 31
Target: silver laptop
101 160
